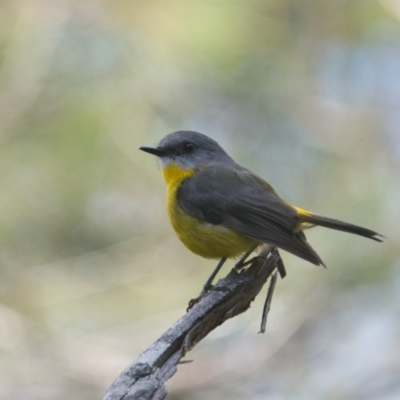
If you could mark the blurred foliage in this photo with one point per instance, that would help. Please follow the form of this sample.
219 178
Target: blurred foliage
305 93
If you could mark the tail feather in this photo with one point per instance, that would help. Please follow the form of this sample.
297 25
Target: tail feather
331 223
305 251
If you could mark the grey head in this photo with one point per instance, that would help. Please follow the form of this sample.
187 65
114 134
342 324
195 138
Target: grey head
189 150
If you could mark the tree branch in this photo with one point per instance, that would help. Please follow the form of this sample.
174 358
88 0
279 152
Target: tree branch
144 379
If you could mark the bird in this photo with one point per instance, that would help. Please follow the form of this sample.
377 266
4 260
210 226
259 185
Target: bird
220 210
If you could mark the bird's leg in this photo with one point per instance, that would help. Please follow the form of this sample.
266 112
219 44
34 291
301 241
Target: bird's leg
242 262
208 285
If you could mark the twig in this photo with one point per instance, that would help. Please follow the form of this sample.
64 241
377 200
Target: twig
144 379
267 304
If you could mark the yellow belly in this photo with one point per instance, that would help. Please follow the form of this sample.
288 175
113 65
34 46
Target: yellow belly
206 240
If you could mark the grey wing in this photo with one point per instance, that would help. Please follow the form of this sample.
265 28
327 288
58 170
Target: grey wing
240 200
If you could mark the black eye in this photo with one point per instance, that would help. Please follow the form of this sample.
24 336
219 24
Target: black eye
188 147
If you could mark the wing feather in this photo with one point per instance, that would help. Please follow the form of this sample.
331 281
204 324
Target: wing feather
238 199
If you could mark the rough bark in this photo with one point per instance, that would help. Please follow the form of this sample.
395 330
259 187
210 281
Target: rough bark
145 378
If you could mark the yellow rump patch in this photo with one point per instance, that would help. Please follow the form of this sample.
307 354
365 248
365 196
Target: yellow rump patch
301 226
300 211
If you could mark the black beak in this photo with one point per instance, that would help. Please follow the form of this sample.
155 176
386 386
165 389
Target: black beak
155 150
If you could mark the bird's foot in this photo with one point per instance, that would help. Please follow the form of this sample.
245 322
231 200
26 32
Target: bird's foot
241 264
204 291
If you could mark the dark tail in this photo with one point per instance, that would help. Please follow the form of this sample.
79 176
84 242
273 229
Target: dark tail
339 225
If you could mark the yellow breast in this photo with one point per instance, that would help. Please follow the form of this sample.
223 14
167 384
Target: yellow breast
202 238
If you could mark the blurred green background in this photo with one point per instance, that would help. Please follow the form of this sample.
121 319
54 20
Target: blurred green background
306 93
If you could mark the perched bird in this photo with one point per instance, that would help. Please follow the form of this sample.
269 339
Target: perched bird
219 209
